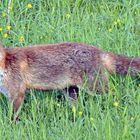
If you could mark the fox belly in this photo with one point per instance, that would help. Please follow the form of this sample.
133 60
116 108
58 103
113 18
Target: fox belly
54 82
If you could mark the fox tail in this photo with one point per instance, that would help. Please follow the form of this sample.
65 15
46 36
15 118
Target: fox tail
121 65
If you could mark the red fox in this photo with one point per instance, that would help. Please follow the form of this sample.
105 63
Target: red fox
59 66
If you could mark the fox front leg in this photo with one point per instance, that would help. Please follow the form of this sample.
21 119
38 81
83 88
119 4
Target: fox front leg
17 98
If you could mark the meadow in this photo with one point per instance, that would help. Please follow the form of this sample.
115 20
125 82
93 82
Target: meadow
113 25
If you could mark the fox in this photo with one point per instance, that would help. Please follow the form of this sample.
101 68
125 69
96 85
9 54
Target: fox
62 66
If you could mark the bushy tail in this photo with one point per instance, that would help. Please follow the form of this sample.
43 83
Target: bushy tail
122 65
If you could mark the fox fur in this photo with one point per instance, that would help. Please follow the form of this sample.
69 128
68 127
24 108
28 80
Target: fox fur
59 66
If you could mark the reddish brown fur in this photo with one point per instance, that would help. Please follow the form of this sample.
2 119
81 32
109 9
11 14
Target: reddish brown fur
57 66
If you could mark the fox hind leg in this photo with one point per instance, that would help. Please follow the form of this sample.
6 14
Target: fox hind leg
98 82
71 93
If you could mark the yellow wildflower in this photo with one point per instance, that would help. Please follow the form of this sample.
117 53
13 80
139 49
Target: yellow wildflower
139 85
73 109
91 119
132 118
80 113
115 23
0 29
41 37
29 6
68 15
8 27
5 35
21 39
118 21
116 104
58 105
3 14
10 8
110 29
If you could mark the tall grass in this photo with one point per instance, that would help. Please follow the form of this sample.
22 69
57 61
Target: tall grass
111 25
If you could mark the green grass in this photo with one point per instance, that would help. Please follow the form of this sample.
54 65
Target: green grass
111 25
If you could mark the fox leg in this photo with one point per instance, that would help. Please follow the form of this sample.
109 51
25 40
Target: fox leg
98 82
71 93
17 98
101 85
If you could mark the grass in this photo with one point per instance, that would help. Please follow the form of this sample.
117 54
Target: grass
111 25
